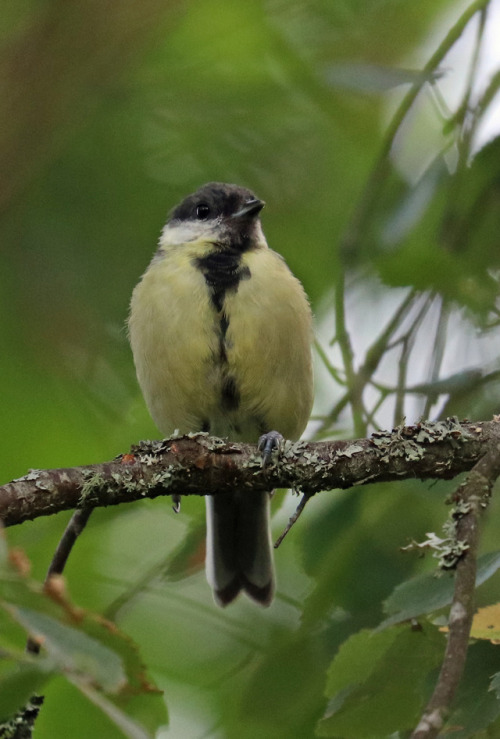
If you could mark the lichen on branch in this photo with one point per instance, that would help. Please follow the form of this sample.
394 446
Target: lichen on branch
197 464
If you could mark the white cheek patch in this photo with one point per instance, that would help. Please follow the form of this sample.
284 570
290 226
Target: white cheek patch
182 232
259 235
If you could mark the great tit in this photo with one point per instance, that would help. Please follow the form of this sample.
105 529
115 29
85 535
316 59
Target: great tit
221 334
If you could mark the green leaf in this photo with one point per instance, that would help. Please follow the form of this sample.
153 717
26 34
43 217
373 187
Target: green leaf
19 684
189 556
72 650
148 709
476 704
374 78
86 649
139 698
130 728
471 216
378 682
441 232
428 593
495 684
356 658
293 701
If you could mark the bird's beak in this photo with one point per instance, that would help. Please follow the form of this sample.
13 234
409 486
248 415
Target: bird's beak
252 208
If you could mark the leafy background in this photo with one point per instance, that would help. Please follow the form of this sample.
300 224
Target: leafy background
111 113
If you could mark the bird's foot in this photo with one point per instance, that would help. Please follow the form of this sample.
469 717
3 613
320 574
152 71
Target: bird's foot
269 442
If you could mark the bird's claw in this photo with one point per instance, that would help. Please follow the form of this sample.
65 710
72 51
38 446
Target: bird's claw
269 443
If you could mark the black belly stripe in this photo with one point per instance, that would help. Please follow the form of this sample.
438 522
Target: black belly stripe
224 324
222 350
230 394
223 271
217 298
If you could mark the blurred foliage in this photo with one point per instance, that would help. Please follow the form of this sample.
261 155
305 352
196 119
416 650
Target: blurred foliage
367 128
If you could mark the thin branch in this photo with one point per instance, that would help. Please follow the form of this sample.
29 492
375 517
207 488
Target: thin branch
404 358
470 500
416 322
489 94
438 353
407 342
471 382
383 395
292 520
73 530
76 524
344 341
202 465
357 381
379 347
464 116
333 371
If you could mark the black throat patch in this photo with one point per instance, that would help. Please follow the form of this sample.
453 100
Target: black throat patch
222 270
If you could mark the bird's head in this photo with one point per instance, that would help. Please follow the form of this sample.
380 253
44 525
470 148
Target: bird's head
223 215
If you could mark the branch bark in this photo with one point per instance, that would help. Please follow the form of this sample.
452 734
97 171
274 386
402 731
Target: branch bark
202 465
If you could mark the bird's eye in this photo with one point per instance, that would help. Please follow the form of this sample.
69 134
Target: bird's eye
202 211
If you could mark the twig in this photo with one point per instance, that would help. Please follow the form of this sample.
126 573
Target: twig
355 395
407 344
470 500
292 520
76 524
438 353
357 381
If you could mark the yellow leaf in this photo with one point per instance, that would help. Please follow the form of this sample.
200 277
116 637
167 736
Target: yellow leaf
486 624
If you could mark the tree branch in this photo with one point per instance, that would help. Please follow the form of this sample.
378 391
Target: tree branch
202 465
470 499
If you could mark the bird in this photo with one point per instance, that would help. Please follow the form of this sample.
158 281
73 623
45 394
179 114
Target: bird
221 335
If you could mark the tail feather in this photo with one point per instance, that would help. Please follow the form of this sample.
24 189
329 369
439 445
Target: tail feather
225 596
262 595
239 549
